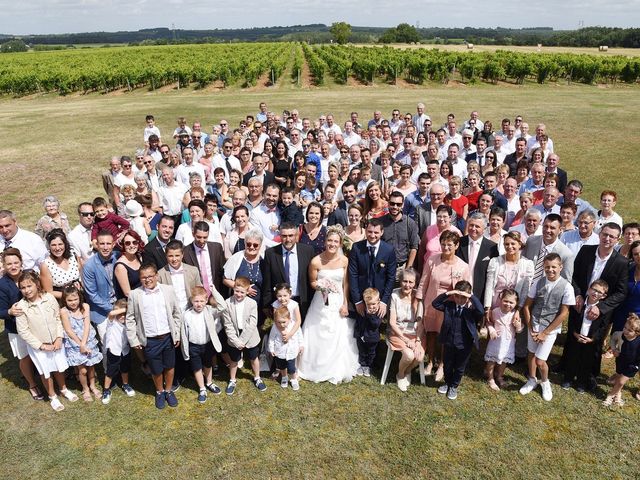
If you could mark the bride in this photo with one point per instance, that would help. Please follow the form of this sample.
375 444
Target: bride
330 351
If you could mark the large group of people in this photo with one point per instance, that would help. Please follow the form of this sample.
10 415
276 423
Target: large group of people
297 244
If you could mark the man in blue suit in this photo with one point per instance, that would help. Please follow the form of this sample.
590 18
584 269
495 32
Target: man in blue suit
372 264
97 278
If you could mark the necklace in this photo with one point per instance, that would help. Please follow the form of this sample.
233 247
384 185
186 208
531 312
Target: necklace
253 271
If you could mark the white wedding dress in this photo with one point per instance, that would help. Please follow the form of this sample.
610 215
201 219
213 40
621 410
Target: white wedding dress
330 352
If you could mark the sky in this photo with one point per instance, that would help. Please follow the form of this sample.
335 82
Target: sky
24 17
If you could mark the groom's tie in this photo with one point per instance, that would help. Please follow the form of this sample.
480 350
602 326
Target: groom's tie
372 258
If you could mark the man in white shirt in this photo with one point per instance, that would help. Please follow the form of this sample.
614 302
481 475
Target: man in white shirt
171 195
182 171
266 216
396 122
331 126
419 118
442 143
225 160
452 133
510 188
31 246
261 116
583 235
468 148
509 141
474 116
459 165
534 142
153 324
295 142
80 236
532 225
238 199
498 148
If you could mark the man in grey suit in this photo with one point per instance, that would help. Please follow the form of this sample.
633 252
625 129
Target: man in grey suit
426 214
153 324
538 246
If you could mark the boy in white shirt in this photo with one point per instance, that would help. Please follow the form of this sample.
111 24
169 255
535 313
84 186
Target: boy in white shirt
285 353
118 351
151 129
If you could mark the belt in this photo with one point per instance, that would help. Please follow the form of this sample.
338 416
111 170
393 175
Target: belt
159 337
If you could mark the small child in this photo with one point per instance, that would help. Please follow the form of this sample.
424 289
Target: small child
458 334
199 338
118 351
106 220
627 359
289 210
241 327
310 192
367 331
502 325
285 344
547 306
582 347
283 299
365 180
151 129
182 125
80 343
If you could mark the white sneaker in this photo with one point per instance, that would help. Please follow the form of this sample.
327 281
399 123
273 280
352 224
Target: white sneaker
284 382
402 383
547 394
366 371
442 389
529 386
360 371
295 385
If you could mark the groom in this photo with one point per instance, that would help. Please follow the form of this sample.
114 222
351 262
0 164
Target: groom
372 264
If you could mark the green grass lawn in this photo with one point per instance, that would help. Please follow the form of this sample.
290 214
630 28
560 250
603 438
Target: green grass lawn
59 145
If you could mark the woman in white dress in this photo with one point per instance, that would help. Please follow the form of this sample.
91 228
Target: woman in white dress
330 352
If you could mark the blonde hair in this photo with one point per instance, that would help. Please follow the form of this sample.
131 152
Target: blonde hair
370 295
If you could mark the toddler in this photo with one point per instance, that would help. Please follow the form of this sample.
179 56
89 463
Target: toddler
290 211
285 344
502 325
367 331
627 359
106 220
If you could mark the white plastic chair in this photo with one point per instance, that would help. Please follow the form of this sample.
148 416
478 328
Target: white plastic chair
387 364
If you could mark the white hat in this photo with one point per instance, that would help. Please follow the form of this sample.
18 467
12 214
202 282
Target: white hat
133 209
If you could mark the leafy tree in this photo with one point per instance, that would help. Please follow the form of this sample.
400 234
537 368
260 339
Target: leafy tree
403 33
13 46
341 31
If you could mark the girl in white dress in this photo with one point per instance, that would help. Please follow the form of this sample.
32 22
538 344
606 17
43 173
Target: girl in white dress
503 323
40 326
330 352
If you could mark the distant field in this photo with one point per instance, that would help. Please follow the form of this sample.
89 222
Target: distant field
59 145
627 52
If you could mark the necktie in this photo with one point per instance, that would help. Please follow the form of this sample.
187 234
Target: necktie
473 254
7 244
372 258
458 311
202 260
287 266
539 268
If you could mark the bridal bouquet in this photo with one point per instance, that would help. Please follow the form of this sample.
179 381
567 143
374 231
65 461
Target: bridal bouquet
326 287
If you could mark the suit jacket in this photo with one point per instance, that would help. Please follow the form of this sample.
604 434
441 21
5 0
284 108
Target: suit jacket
216 256
98 288
9 294
423 218
488 250
107 183
267 179
154 253
250 336
562 179
470 315
339 215
191 278
134 323
532 248
273 274
384 271
213 317
615 273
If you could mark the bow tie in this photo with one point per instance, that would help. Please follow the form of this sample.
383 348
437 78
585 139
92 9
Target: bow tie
151 292
271 210
175 272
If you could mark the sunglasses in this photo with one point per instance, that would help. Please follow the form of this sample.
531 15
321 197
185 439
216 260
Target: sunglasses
130 243
252 245
164 152
395 204
87 214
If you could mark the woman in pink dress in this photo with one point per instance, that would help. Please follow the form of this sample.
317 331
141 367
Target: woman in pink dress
440 273
430 241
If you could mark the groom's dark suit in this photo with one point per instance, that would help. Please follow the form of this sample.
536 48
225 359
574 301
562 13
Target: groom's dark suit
362 274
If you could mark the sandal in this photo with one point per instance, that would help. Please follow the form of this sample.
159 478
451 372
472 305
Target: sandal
86 396
618 400
56 404
607 402
493 385
69 395
96 393
35 392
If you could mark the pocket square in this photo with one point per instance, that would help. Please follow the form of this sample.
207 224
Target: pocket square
486 258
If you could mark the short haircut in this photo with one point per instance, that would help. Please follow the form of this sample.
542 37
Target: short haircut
569 206
612 226
288 226
554 217
281 312
463 286
370 295
201 227
149 266
243 282
600 283
282 286
198 291
375 222
11 252
198 203
174 245
550 257
99 202
104 233
450 236
635 225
